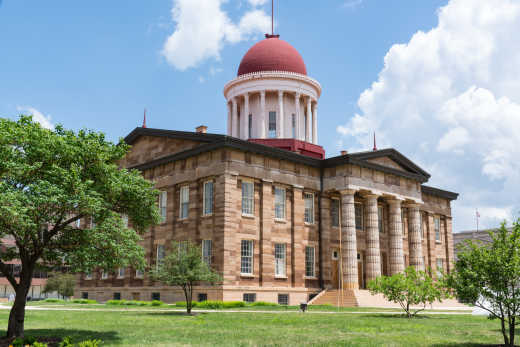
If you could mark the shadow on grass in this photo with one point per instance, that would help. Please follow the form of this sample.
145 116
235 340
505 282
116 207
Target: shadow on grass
175 313
462 344
397 315
76 334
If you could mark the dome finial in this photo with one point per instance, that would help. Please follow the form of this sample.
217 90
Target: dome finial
272 35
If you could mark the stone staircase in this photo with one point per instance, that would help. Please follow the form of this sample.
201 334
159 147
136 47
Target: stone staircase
333 297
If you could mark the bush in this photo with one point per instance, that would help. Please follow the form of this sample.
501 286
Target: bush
157 303
39 344
84 301
263 303
53 300
234 304
66 342
216 304
134 303
183 304
89 343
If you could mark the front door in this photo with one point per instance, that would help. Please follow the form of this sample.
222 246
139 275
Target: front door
361 282
334 268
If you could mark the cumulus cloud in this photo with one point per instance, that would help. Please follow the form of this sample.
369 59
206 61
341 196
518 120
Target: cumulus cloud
257 2
203 28
352 3
450 100
44 120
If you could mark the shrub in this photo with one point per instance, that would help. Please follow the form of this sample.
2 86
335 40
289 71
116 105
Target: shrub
157 303
113 302
39 344
234 304
83 301
89 343
66 342
53 300
263 303
183 304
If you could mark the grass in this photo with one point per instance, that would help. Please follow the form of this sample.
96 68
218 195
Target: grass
123 328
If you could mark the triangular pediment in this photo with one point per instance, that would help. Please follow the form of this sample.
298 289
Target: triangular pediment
388 162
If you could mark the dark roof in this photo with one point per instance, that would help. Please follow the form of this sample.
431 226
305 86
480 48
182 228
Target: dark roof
216 141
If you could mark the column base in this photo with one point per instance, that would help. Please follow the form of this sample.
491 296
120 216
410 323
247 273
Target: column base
351 285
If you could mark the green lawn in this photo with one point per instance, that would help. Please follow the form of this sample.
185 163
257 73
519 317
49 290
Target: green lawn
123 328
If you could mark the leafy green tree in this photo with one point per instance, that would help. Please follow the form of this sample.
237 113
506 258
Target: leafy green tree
184 267
488 276
50 179
410 288
62 283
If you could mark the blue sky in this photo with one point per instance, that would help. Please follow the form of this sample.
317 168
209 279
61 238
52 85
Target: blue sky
98 64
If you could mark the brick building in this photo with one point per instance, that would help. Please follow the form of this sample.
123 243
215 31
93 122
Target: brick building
272 214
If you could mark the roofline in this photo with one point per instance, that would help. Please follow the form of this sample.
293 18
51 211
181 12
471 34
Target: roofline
217 141
439 192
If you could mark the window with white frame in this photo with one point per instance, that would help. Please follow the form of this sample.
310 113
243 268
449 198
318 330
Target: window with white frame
78 223
206 251
121 272
249 297
309 261
88 275
309 207
440 267
92 223
279 259
246 257
279 203
104 275
358 211
183 247
208 198
163 200
159 256
184 202
125 220
334 212
380 219
272 124
437 226
139 273
283 299
248 194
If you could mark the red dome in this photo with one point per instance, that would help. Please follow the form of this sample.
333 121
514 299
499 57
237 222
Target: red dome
272 54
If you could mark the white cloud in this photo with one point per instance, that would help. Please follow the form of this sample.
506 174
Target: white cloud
450 100
45 121
203 28
257 2
352 3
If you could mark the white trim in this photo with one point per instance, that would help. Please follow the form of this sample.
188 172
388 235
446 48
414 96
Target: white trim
247 181
284 203
182 188
204 197
305 197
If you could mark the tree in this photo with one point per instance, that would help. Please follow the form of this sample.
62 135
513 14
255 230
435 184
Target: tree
488 276
184 267
62 283
409 288
50 179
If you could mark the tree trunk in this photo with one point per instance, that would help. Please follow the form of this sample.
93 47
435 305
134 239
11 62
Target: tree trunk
504 333
512 333
17 314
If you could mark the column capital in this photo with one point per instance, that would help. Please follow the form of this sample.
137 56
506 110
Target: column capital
280 93
262 92
298 95
395 201
370 196
412 205
347 192
234 100
246 95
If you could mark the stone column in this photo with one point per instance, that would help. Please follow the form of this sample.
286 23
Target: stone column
396 237
414 231
280 117
373 254
298 115
263 121
235 130
245 118
348 240
229 119
315 124
309 121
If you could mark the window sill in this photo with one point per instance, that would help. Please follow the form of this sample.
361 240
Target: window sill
247 275
280 220
335 227
120 278
207 215
139 278
438 242
249 216
280 277
309 224
310 277
182 219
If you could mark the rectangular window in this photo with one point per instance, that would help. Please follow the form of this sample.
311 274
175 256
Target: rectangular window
183 246
309 208
78 223
92 223
248 198
293 125
208 198
279 203
163 197
380 219
249 297
125 220
279 259
359 215
272 124
121 272
246 257
104 275
334 212
250 126
84 295
202 297
139 274
184 202
117 296
88 275
283 299
309 261
440 267
159 255
206 251
156 296
437 225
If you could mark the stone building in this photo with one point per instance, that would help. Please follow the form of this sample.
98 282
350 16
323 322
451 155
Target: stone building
272 214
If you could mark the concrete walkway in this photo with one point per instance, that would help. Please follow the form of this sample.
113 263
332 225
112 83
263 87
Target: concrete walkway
40 308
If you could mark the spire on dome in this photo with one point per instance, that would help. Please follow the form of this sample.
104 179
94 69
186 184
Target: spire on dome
144 119
375 146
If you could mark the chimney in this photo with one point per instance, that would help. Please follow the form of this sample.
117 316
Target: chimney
201 129
344 152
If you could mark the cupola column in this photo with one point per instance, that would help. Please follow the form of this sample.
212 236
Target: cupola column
245 118
229 119
315 124
298 116
235 131
280 118
309 120
263 121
